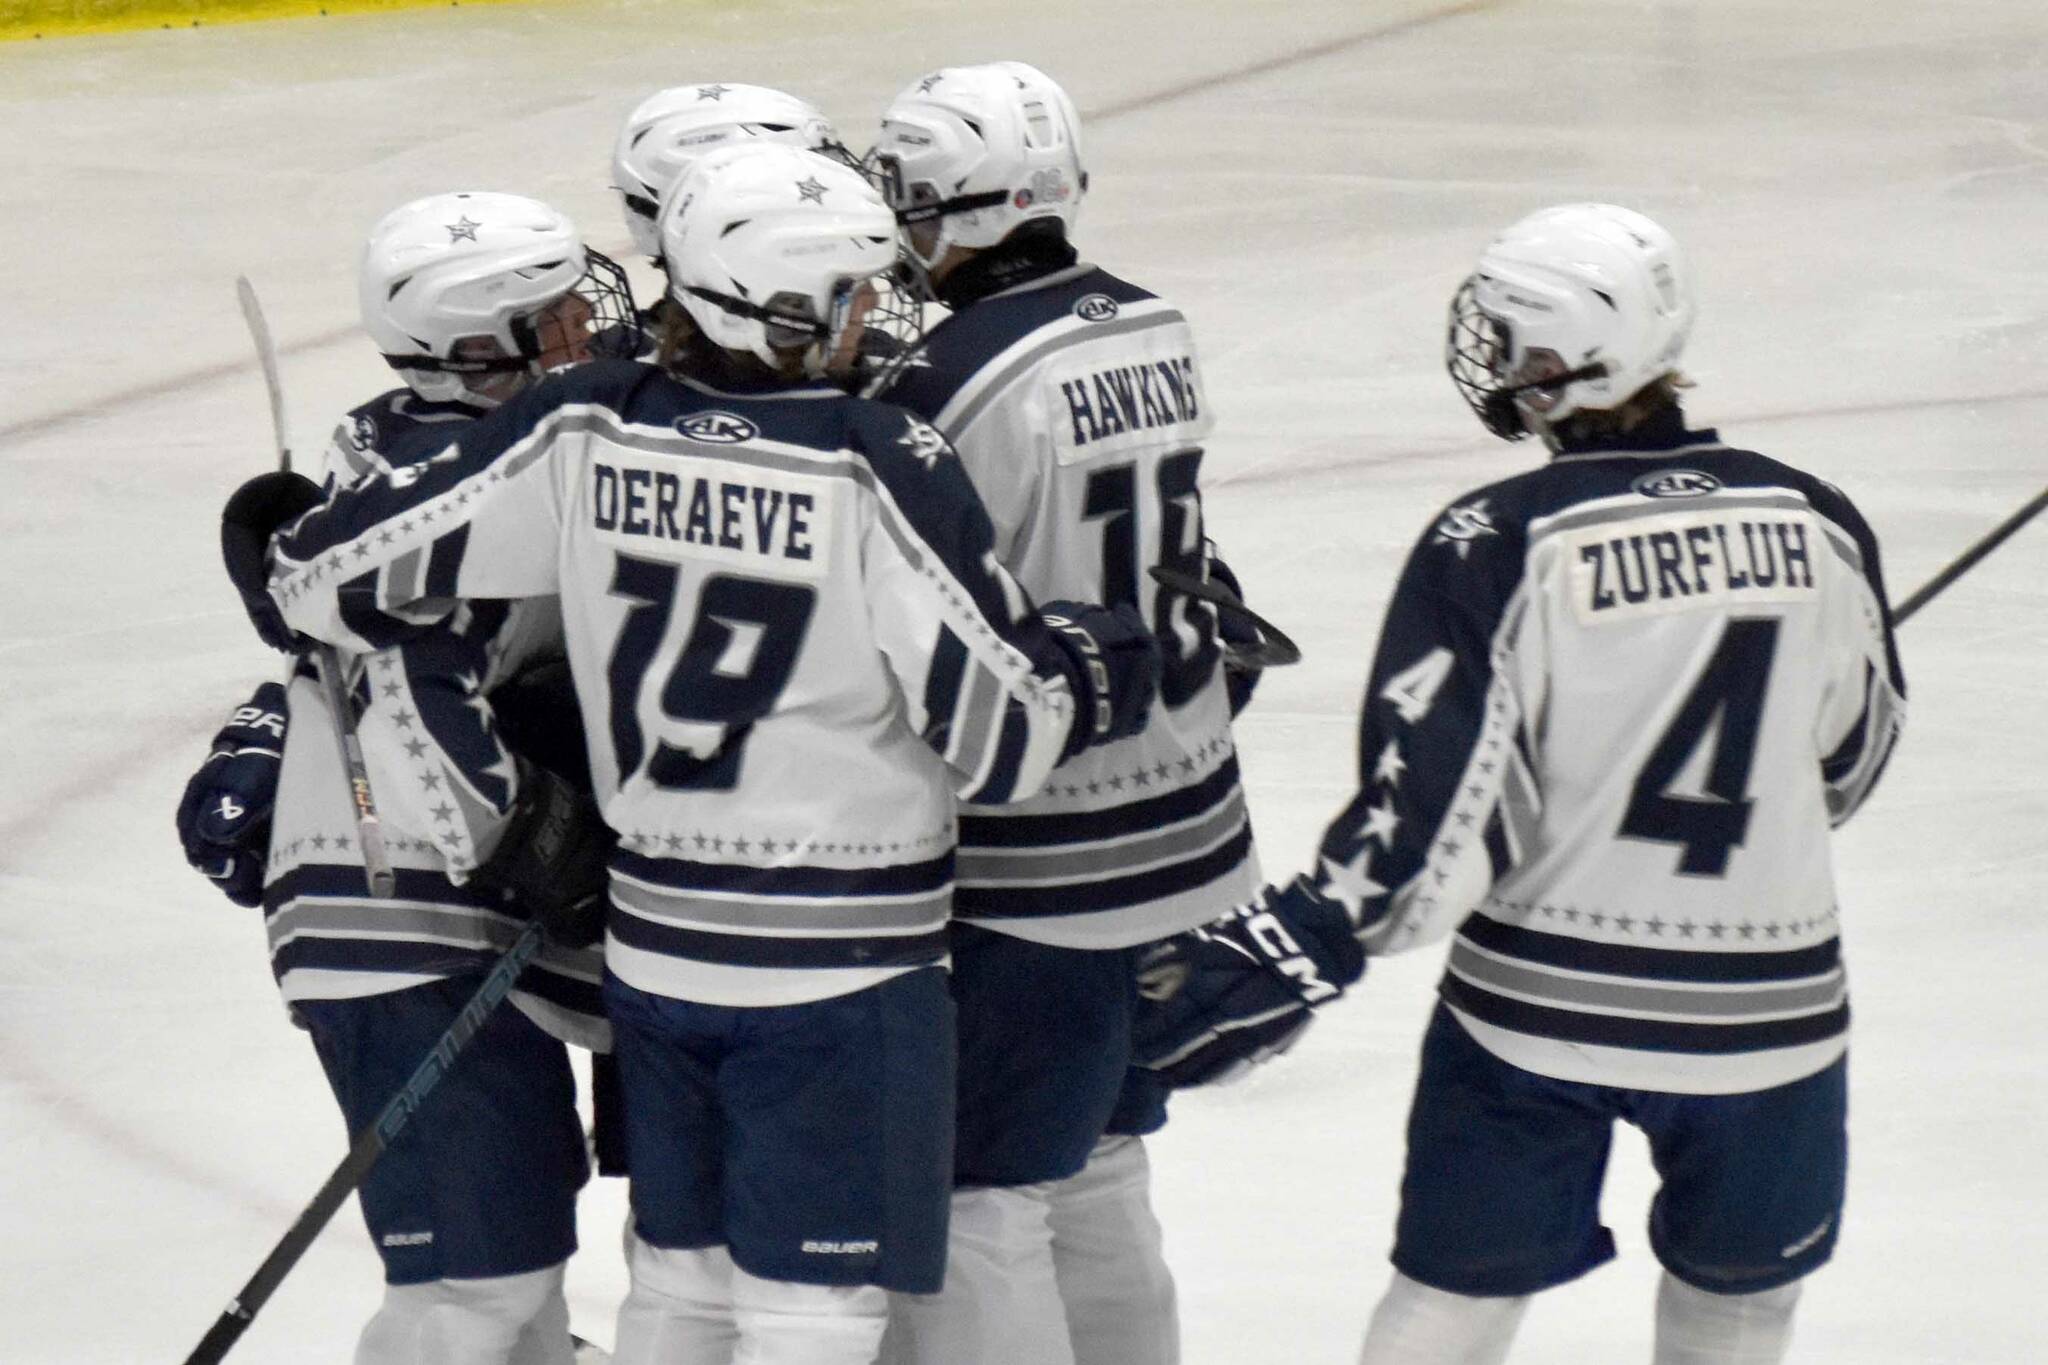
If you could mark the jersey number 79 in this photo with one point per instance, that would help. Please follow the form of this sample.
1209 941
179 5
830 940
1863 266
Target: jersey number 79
700 689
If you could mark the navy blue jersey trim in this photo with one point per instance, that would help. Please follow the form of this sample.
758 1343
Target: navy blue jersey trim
1649 964
1642 1035
756 950
1081 827
318 953
680 874
1111 893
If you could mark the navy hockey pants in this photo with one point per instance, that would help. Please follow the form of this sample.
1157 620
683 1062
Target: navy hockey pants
1501 1195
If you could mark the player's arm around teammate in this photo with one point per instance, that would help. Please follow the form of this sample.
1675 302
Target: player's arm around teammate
469 297
792 644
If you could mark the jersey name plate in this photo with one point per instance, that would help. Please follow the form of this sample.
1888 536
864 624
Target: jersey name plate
744 516
1675 561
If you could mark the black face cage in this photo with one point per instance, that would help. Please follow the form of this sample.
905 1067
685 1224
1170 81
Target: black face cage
892 334
614 325
1476 354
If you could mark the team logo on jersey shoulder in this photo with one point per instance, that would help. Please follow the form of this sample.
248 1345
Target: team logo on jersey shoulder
1676 483
363 435
924 443
1460 526
1096 308
720 428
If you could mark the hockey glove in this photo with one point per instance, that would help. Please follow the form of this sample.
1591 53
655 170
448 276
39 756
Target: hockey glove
251 517
224 816
1112 660
550 861
1218 1000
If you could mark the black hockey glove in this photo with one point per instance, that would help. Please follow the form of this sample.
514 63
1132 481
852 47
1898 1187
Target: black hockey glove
1113 662
1238 635
251 517
224 816
1218 1000
550 861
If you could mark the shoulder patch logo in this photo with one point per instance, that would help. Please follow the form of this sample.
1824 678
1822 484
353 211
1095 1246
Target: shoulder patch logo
924 443
1676 483
719 428
363 435
1096 308
1460 526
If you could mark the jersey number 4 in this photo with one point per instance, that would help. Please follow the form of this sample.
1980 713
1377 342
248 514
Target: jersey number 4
1112 498
1728 701
741 649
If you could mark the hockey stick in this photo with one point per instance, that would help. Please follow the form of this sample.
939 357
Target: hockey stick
1273 650
363 1152
326 659
1967 560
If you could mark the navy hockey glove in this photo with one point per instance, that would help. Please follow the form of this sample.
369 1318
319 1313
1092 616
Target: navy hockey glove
1218 1000
551 860
1112 660
251 517
224 816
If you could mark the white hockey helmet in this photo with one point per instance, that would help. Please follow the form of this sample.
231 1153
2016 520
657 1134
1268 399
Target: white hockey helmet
667 132
968 154
1575 307
775 251
469 295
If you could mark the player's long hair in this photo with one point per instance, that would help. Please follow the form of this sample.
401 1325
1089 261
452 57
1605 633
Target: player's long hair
1652 398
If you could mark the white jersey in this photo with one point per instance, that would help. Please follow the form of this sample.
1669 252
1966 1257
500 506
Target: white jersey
442 781
789 638
1617 704
1078 408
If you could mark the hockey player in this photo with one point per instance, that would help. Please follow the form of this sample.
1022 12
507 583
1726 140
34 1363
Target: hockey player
469 297
1617 703
793 643
1079 410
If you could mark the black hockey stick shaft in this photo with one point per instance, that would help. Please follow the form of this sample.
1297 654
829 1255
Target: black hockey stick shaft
1968 559
363 1152
326 658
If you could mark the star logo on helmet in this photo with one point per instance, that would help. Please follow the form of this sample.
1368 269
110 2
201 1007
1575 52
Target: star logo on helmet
463 229
1461 526
924 87
810 190
713 92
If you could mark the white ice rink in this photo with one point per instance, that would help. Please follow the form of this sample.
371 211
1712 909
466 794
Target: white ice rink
1863 185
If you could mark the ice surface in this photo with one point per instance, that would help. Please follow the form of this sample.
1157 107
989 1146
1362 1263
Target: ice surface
1862 186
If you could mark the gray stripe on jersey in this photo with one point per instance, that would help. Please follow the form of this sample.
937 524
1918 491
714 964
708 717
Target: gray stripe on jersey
469 925
1072 863
402 581
1880 733
1520 805
972 738
1077 333
1724 1003
864 916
